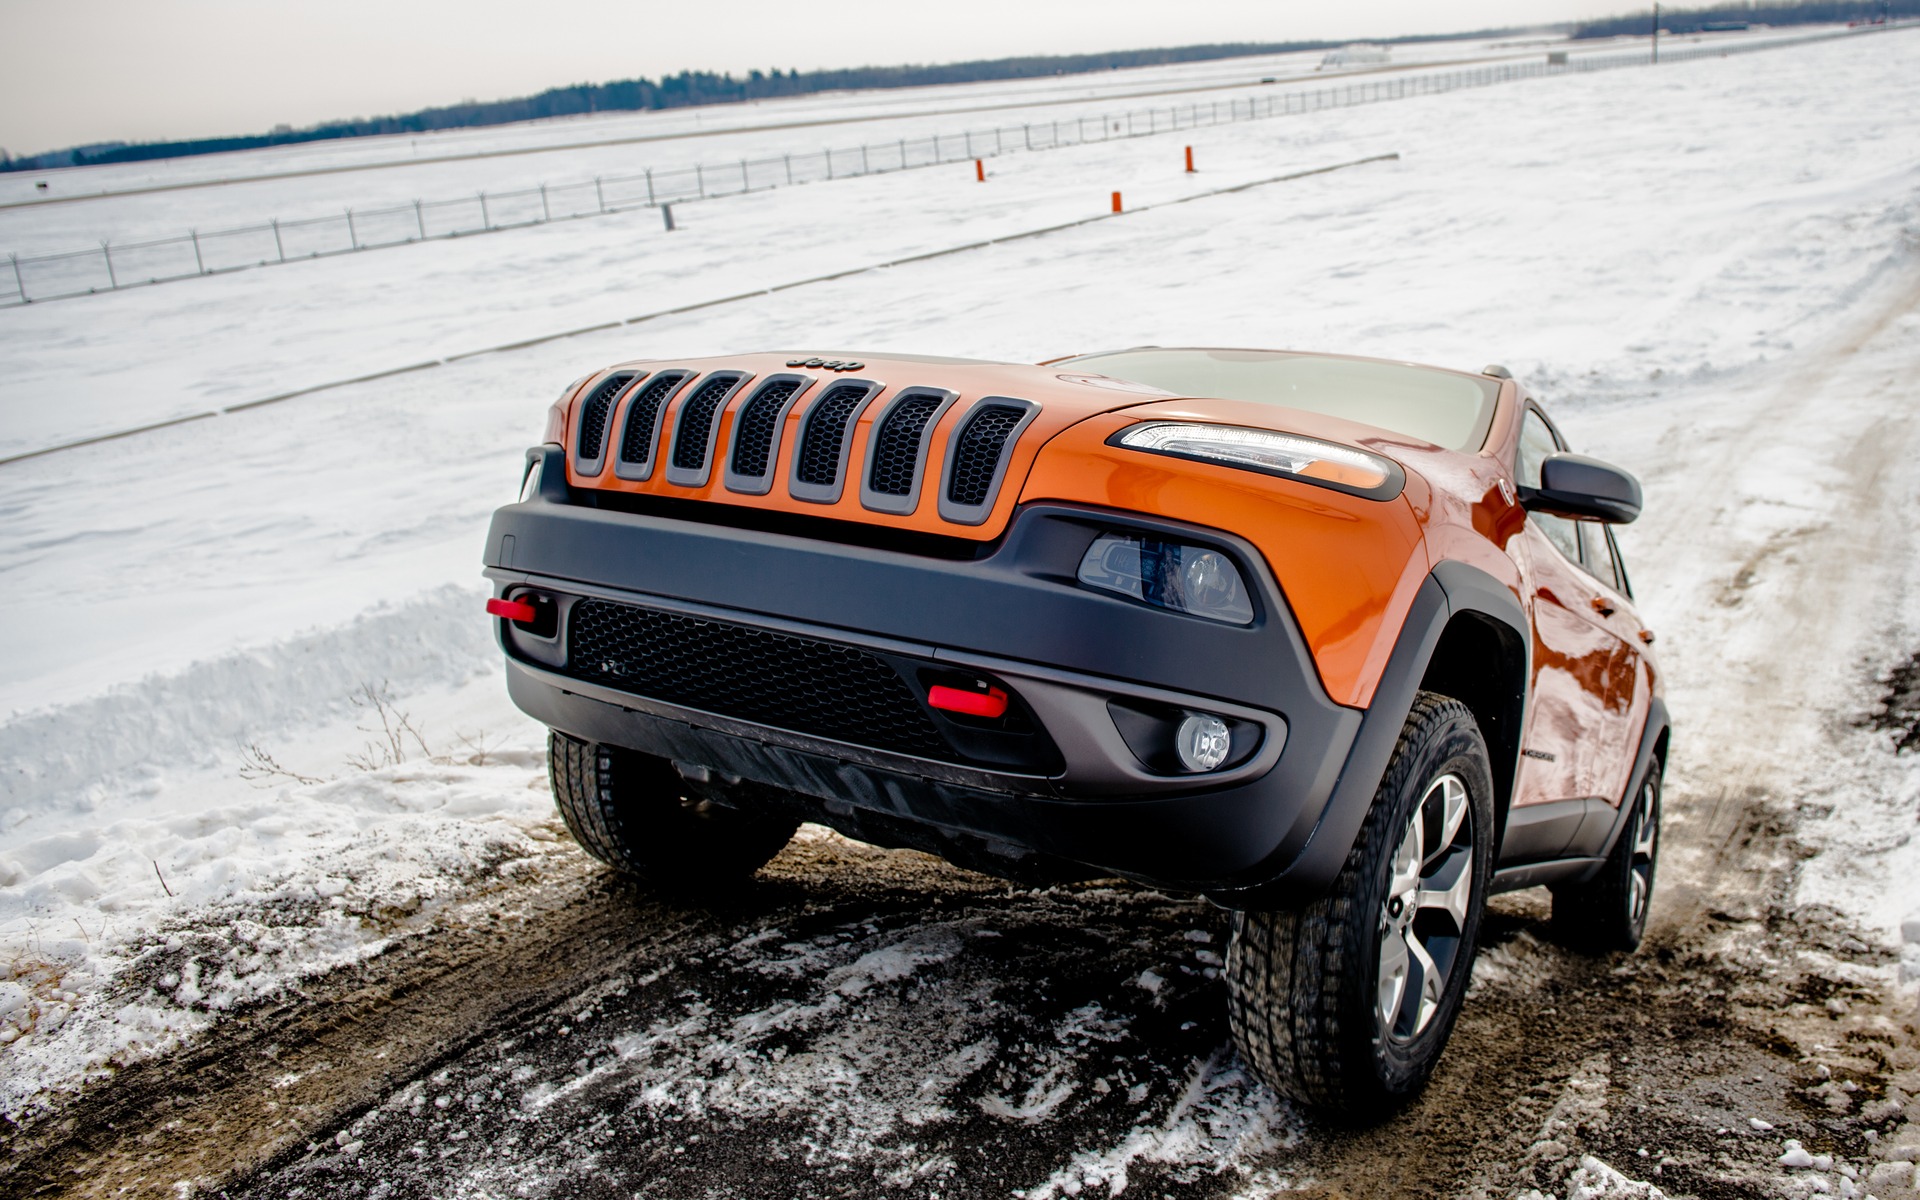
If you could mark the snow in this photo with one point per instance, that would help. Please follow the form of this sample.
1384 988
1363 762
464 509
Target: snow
195 611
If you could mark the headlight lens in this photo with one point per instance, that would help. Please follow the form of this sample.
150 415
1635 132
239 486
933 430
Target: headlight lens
1307 459
1188 579
530 486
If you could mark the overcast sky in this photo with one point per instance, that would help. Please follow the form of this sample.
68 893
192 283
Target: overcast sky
139 70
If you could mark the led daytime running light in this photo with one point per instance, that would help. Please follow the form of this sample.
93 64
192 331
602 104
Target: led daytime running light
1307 459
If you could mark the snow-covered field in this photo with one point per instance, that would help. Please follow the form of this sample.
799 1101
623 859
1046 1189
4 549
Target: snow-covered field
252 726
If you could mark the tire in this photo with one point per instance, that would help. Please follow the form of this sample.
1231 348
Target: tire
634 813
1311 1008
1609 912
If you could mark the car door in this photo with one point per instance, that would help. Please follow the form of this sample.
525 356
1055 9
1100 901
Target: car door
1631 687
1575 727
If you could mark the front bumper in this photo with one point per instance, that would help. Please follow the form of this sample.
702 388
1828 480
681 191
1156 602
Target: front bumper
1071 657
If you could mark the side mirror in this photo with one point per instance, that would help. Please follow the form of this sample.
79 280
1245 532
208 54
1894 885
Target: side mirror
1573 485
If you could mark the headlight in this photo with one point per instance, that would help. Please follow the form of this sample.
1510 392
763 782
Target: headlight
530 486
1188 579
1340 467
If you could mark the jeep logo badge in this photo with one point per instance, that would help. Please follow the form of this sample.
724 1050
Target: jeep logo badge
825 364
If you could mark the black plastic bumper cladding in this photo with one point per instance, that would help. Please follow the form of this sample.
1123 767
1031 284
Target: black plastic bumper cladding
1273 839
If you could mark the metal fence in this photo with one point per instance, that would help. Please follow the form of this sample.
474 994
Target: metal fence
114 266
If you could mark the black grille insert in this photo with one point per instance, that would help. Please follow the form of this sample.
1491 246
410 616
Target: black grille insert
757 428
792 683
896 453
977 452
636 446
593 414
696 422
826 434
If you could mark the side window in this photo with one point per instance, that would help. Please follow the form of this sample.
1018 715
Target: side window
1536 442
1598 549
1619 567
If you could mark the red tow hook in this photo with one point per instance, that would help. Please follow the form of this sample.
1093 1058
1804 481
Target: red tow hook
512 610
991 704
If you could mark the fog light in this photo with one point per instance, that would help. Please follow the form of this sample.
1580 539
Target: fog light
1202 742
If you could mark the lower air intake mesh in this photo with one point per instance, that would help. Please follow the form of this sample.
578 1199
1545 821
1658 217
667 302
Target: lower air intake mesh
593 414
755 432
791 683
827 433
636 446
977 455
696 422
897 452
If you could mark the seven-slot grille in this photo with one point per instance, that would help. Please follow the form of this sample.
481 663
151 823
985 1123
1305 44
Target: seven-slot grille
758 428
593 414
824 441
696 421
793 683
896 454
976 459
643 415
896 458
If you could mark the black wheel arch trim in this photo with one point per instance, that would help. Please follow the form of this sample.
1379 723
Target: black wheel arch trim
1450 589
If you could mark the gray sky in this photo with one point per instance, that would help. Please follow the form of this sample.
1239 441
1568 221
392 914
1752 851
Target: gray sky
138 70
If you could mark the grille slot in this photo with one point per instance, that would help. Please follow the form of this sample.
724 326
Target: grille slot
643 414
593 415
792 683
977 452
759 425
818 464
695 426
896 456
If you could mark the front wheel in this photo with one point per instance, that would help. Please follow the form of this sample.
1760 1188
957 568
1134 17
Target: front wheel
635 813
1347 1003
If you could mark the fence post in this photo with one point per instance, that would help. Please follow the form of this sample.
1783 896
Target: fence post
200 264
998 148
865 167
546 212
599 194
649 185
903 154
1027 131
19 284
420 220
278 246
353 236
106 253
829 154
700 179
789 161
486 220
746 181
969 143
936 147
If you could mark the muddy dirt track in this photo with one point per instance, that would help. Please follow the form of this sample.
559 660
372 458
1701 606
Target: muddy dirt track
862 1022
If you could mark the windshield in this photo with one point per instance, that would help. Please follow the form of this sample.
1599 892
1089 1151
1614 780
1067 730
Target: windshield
1442 407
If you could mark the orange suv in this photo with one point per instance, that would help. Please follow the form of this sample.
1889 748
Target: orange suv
1344 645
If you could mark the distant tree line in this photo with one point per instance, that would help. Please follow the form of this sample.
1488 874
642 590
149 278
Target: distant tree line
1695 20
672 91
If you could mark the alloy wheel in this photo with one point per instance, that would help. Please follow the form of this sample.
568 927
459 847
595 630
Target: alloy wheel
1424 915
1646 848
